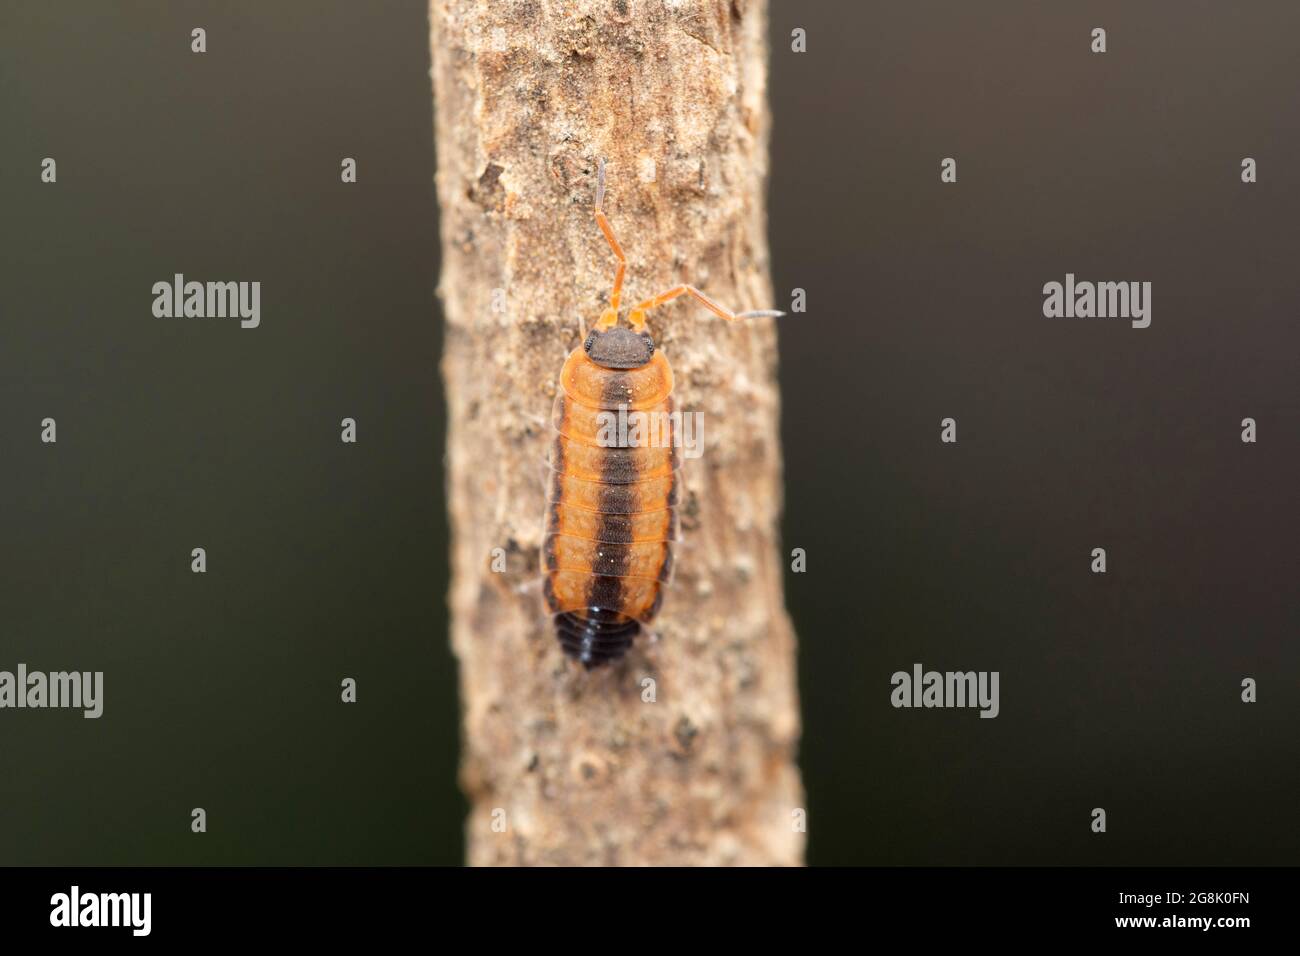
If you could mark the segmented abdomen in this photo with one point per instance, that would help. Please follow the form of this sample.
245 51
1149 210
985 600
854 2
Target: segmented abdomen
611 512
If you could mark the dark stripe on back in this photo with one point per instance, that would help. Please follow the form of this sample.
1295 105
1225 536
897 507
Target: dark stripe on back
615 390
602 593
605 593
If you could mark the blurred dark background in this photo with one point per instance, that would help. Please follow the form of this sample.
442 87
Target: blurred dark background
328 560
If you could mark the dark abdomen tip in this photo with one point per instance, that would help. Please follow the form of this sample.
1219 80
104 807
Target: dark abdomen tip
595 636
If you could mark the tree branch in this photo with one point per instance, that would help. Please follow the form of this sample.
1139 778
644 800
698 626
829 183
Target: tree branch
577 767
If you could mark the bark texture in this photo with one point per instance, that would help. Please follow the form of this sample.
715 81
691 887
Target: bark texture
563 766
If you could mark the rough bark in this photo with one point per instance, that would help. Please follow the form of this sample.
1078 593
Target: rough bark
563 766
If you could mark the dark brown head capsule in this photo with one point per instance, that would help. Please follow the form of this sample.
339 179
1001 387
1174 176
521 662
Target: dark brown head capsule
619 348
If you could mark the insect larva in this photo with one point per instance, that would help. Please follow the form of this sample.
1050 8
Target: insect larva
612 500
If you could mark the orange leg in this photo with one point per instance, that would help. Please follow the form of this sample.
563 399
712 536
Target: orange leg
637 318
611 315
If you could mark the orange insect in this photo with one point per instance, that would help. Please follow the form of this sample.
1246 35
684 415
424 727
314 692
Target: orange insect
612 500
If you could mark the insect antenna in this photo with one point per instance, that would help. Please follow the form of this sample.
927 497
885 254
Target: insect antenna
637 316
610 316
